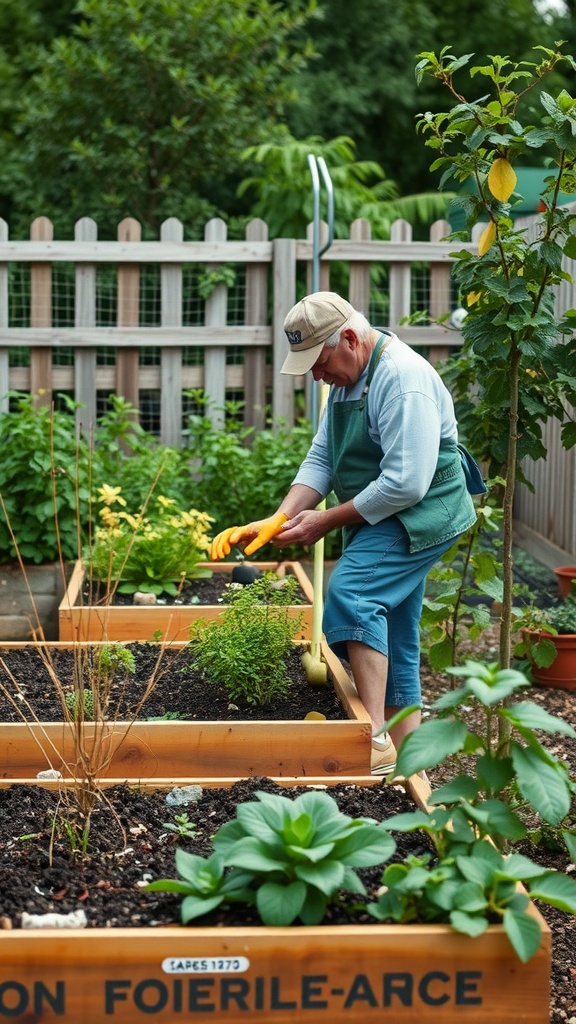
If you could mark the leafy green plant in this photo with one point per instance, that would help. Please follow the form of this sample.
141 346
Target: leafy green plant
537 627
290 858
473 881
246 647
80 705
238 471
44 484
182 826
153 550
127 456
469 568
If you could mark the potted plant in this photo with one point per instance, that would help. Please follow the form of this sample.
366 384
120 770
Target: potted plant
458 935
566 576
549 643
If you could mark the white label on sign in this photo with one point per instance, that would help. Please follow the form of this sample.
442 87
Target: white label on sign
205 965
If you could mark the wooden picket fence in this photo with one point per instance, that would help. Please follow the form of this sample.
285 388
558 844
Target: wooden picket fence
269 272
153 321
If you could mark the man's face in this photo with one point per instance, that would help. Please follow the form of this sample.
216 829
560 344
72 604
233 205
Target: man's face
339 365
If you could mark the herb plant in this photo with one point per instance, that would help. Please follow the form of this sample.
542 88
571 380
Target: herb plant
290 858
247 646
182 826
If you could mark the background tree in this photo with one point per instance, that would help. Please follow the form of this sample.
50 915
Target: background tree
282 192
361 83
145 109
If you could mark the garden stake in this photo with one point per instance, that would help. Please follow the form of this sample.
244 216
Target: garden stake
315 669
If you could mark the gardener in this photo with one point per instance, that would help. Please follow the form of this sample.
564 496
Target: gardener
387 446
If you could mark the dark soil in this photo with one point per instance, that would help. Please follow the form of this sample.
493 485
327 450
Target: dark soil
210 590
130 843
40 874
179 691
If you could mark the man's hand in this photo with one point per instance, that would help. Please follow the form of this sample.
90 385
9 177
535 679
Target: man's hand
257 533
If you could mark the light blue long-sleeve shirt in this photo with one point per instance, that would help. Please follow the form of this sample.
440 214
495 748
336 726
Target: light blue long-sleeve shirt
409 411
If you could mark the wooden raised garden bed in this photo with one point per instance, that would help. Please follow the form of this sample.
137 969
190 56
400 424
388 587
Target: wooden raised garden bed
204 750
80 621
326 974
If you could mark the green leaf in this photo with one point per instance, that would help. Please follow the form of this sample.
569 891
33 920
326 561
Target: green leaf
494 772
429 745
468 924
327 877
541 784
496 818
521 868
193 906
556 889
532 716
365 846
310 853
463 787
524 933
280 905
251 853
470 898
411 821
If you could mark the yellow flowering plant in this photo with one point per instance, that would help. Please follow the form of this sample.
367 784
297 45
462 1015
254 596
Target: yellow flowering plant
153 550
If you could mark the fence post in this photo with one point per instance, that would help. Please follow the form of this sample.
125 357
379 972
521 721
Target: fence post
359 286
440 289
127 359
42 230
284 271
400 277
256 312
4 359
215 316
171 357
85 230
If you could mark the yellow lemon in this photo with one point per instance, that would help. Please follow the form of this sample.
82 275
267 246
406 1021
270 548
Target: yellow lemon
502 179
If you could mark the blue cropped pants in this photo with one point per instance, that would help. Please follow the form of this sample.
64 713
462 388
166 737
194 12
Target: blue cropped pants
375 596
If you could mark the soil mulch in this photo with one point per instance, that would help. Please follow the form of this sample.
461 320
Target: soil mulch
131 845
209 590
179 691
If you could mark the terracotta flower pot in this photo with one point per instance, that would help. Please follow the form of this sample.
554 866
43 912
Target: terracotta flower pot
565 574
561 674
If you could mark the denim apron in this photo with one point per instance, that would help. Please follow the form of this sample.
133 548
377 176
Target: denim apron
444 512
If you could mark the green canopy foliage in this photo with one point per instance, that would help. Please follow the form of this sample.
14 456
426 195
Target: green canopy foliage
145 109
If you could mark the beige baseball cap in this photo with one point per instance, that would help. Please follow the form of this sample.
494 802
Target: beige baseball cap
309 324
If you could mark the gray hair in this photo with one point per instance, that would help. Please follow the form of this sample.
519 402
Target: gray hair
358 323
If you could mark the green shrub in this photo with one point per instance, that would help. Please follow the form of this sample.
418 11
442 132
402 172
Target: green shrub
246 647
44 483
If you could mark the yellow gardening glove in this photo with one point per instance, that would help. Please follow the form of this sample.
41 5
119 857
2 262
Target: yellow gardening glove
264 529
220 546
